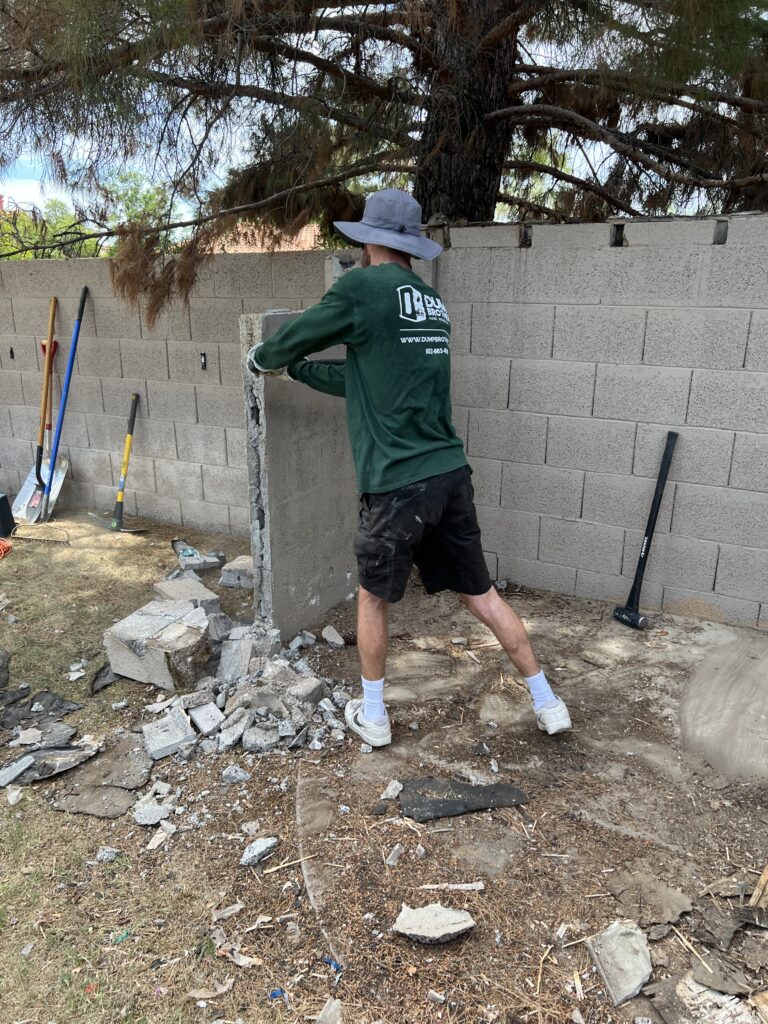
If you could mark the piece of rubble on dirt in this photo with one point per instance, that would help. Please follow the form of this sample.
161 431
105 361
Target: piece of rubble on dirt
331 1012
169 734
219 626
721 975
148 811
333 637
622 958
234 775
716 927
428 798
106 854
232 729
190 558
206 718
184 589
13 795
392 791
41 708
165 643
5 662
259 739
395 854
256 851
50 761
679 998
125 763
646 899
236 654
433 923
238 573
96 801
104 677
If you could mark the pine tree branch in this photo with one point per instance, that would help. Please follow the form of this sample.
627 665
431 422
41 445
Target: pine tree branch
589 186
545 211
509 26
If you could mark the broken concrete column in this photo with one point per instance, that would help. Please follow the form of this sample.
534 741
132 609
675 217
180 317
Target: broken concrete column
165 643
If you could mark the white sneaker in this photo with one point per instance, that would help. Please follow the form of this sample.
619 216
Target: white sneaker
554 717
371 732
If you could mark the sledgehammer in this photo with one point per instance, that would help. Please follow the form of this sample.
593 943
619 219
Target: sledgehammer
629 614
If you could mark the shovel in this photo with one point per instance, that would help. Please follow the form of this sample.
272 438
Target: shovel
116 522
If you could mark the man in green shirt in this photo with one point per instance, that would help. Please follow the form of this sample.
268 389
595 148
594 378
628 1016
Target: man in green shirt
416 497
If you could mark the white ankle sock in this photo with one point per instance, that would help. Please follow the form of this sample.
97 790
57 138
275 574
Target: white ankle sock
540 689
373 700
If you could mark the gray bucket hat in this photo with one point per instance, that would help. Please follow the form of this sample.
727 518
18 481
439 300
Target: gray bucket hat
391 218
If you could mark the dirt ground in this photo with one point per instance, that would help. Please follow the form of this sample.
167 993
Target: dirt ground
129 940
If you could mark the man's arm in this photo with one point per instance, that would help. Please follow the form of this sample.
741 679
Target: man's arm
330 378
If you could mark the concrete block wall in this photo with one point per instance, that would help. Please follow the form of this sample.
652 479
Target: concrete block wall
189 460
572 358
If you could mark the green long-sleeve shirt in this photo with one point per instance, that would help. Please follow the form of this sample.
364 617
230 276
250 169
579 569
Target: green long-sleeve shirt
396 377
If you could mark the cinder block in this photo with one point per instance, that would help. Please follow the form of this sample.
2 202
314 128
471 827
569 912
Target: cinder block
104 499
460 314
701 456
171 325
735 400
205 516
298 274
673 561
735 276
109 431
601 445
697 337
198 443
489 236
721 514
540 575
5 422
91 467
31 387
240 521
74 430
714 607
646 393
11 392
542 489
154 439
183 480
600 586
242 274
748 229
742 572
512 330
460 416
582 545
750 462
17 453
25 422
160 507
570 236
236 453
114 318
675 231
30 316
757 347
624 500
145 359
141 472
480 382
510 436
86 394
230 366
24 351
118 397
99 357
10 481
226 485
171 401
215 319
185 362
599 334
464 276
492 562
221 407
545 385
505 274
75 495
486 481
6 315
512 534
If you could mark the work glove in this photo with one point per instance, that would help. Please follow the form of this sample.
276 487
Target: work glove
281 373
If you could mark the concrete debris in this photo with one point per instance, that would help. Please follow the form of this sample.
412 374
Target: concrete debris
56 734
165 643
13 795
420 853
250 828
433 923
206 718
238 573
236 654
5 661
27 738
438 998
96 801
331 1012
169 734
120 705
184 589
148 811
332 637
41 708
106 854
50 761
104 677
395 854
622 958
366 748
187 701
124 764
256 851
190 558
681 998
259 739
459 641
233 728
308 691
219 626
646 899
234 775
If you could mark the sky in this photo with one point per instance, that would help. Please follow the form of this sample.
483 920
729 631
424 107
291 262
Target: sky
20 183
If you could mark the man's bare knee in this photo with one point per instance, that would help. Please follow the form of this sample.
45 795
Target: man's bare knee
481 605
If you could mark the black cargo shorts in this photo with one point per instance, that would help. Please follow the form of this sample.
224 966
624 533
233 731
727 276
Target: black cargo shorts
431 523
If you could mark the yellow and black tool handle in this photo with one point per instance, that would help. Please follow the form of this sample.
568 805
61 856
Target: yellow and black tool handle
117 515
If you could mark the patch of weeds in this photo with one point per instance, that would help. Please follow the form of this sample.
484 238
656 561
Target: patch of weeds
206 948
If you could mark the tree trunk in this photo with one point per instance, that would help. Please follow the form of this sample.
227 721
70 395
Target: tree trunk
460 158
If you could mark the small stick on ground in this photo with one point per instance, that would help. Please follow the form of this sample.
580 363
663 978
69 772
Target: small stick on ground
547 951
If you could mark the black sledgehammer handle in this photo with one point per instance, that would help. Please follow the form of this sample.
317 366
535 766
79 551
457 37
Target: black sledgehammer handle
633 601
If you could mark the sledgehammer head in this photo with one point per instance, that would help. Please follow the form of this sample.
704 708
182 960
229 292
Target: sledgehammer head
631 618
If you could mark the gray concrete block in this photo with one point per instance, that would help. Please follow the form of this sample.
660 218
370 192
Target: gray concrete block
141 472
757 346
91 467
464 276
17 453
230 366
542 489
30 316
460 314
99 357
6 315
677 231
222 407
25 422
115 318
735 276
481 382
674 561
624 500
460 416
25 352
490 236
185 362
492 562
508 533
571 236
171 325
236 454
748 229
714 607
31 385
183 589
74 430
561 579
104 497
163 643
147 360
175 402
512 329
5 422
158 506
167 735
697 337
599 334
750 462
541 385
742 572
240 521
505 274
10 480
486 481
206 718
600 586
11 392
298 274
244 274
118 397
86 394
215 319
74 495
701 456
200 443
721 514
737 400
647 393
239 573
182 480
582 545
205 515
510 436
226 485
601 445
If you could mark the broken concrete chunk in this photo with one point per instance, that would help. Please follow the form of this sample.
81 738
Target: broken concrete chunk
12 771
13 795
184 589
238 573
206 718
236 654
29 737
125 764
165 643
259 739
199 696
333 637
646 899
308 691
622 958
97 801
50 761
106 854
233 728
148 811
331 1012
433 923
256 851
219 626
169 734
396 853
234 775
5 661
392 791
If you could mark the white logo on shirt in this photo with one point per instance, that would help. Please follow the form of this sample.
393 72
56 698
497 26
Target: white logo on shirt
411 304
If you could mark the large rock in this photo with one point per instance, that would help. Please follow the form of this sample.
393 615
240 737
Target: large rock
433 923
169 734
184 589
165 643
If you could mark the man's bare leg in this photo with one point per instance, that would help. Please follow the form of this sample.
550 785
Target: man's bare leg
368 717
